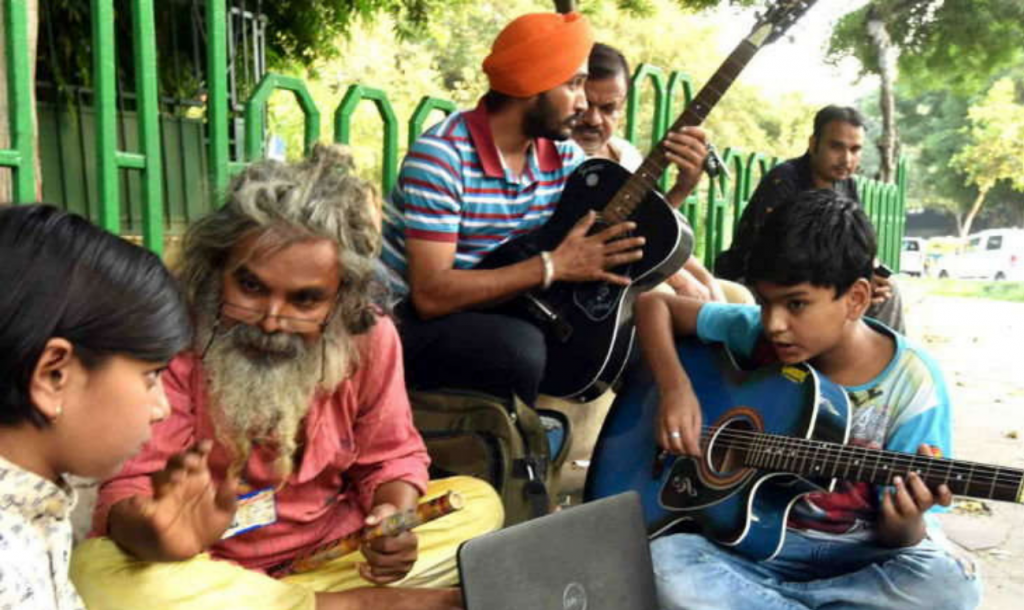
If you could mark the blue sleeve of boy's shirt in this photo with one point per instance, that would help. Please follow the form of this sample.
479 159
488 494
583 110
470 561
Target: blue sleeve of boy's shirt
737 326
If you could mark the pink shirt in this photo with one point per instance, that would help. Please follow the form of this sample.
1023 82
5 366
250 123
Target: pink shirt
358 438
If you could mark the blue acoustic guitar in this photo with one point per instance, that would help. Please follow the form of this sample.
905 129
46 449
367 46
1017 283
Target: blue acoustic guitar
771 436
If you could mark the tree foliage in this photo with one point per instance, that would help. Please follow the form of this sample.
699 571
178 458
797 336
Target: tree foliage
944 44
445 62
995 149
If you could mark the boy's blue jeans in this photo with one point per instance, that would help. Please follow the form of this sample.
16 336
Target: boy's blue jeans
693 573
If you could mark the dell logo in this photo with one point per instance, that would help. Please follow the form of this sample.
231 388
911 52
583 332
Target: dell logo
574 597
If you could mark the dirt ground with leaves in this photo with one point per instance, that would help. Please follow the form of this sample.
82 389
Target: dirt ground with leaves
978 344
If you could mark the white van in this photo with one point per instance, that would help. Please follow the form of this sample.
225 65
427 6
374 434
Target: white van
912 256
994 254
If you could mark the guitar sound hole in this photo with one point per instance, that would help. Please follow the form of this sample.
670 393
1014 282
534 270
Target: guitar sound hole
728 452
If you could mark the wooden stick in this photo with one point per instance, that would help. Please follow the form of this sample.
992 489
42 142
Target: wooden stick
391 525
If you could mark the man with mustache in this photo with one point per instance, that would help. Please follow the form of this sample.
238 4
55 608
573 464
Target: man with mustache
290 425
832 157
607 88
477 179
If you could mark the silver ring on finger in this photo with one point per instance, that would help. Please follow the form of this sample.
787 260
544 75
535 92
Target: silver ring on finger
676 434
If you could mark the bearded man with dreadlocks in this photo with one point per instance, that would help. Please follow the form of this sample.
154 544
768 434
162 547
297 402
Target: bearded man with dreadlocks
290 425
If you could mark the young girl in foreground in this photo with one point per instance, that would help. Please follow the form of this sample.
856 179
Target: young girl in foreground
87 322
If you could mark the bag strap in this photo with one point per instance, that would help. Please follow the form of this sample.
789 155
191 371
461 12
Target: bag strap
535 492
535 464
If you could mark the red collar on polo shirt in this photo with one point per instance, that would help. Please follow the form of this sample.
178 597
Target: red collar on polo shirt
548 157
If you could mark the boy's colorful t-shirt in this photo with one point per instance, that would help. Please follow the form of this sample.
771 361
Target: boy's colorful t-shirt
905 406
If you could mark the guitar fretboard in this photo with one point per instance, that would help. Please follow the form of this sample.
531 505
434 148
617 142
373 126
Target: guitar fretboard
645 179
847 462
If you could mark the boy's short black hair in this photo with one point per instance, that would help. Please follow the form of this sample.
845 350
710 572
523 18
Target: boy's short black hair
819 237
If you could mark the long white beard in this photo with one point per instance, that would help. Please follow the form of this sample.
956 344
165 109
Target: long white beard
261 397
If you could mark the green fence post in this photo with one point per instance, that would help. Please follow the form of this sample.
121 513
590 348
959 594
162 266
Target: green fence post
677 81
714 228
419 116
343 127
21 156
217 95
643 73
106 114
109 160
147 96
256 106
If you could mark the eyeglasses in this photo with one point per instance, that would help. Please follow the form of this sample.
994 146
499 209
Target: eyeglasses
295 324
250 316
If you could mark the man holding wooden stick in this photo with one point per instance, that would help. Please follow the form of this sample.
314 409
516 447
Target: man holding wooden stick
290 427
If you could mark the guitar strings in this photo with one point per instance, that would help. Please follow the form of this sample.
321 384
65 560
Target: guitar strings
967 473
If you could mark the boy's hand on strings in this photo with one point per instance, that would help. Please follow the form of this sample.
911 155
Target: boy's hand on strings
187 514
388 558
901 523
679 422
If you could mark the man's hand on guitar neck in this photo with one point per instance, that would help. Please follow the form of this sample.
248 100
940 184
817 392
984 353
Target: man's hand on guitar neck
901 520
687 149
585 258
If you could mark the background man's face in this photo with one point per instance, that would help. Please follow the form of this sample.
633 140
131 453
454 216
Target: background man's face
835 153
606 102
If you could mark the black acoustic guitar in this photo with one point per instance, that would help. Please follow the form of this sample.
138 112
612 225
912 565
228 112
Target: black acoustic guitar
589 327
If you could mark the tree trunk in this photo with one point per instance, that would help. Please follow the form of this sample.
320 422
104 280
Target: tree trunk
965 228
32 9
887 54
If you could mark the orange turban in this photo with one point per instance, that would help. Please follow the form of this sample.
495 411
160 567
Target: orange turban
538 52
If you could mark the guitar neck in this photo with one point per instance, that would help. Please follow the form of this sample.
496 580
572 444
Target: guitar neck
646 177
831 460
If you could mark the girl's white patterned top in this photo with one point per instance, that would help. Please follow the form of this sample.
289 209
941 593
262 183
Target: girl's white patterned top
35 542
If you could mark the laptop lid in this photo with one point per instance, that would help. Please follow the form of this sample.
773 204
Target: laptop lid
590 557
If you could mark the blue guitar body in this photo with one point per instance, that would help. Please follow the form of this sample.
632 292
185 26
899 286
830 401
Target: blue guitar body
738 506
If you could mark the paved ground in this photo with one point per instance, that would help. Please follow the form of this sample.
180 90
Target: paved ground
977 343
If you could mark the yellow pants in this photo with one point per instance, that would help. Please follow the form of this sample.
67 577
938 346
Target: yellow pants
109 579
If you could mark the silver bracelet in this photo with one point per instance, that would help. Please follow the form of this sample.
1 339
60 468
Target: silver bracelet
549 270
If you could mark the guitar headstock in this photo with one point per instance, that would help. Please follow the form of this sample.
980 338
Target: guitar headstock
779 17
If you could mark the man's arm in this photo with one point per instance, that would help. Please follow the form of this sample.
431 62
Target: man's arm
702 275
439 289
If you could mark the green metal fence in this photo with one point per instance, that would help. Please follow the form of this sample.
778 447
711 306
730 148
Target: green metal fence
712 211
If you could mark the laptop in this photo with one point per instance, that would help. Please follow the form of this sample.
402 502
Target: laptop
589 557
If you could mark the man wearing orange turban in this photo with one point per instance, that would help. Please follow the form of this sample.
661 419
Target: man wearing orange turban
477 179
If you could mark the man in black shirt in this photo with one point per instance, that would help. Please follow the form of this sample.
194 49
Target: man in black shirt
832 157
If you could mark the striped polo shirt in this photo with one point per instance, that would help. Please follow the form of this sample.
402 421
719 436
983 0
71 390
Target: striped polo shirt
454 187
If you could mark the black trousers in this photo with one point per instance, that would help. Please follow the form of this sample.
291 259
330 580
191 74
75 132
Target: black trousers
482 351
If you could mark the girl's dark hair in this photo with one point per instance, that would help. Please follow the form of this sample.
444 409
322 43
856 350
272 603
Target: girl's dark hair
60 276
818 237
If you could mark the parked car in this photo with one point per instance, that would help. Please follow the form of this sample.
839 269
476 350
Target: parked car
912 256
994 254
